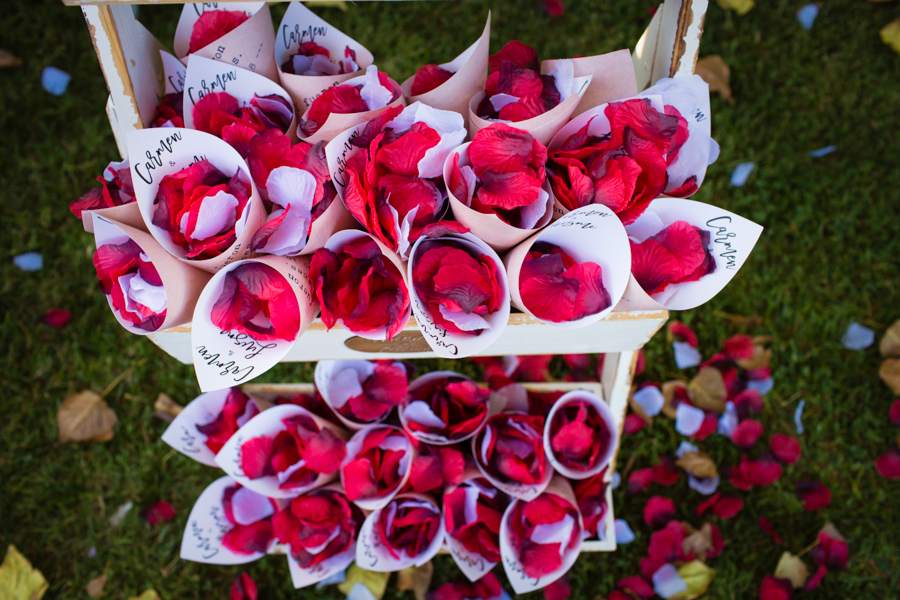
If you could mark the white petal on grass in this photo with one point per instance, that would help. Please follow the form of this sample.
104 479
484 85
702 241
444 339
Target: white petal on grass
741 173
857 337
688 419
798 416
686 356
667 582
650 399
624 534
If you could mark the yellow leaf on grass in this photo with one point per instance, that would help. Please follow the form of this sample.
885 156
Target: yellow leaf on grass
716 74
416 580
165 408
18 579
697 576
890 341
791 567
707 390
147 595
698 464
85 417
890 35
741 7
95 586
339 4
890 373
376 582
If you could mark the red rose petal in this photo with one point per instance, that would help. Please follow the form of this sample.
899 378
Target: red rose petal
665 472
831 552
816 578
248 539
637 585
766 526
325 452
658 511
888 464
243 588
895 413
739 346
773 588
727 506
747 433
357 478
515 52
429 77
540 559
255 455
212 25
706 504
813 494
55 317
708 427
633 424
559 589
682 333
640 480
784 448
158 513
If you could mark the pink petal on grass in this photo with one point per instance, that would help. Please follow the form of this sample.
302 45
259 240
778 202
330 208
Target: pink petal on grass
888 464
784 448
747 433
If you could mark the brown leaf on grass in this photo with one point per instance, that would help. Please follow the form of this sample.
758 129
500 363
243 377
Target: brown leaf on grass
166 409
85 417
8 60
18 579
416 580
668 391
761 358
890 341
717 74
707 390
791 567
147 595
890 373
95 586
698 464
697 542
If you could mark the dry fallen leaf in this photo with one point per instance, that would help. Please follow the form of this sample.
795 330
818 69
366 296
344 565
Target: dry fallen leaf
741 7
698 542
147 595
95 586
890 341
890 373
376 582
698 464
668 392
85 417
791 567
18 579
717 74
832 531
166 409
890 35
416 580
761 358
339 4
8 60
707 390
697 576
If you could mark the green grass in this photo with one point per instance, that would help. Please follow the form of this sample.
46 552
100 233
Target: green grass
830 254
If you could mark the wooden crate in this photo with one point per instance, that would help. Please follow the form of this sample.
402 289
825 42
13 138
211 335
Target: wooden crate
268 392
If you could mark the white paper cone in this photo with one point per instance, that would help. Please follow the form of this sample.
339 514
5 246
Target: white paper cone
612 78
605 415
174 73
372 555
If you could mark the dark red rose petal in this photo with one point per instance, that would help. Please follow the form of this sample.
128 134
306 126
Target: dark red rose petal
243 588
682 333
637 585
773 588
888 464
658 511
739 346
248 539
428 78
813 494
55 317
784 448
158 513
212 25
747 433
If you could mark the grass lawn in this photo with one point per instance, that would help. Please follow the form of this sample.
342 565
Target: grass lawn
830 254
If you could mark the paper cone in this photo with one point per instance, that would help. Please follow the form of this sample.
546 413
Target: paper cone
206 76
522 491
372 555
249 46
612 78
174 73
333 388
354 445
429 438
474 566
225 359
605 415
490 228
337 123
167 150
452 345
732 238
182 433
126 214
589 234
269 423
469 74
542 127
301 25
206 525
515 572
182 283
337 241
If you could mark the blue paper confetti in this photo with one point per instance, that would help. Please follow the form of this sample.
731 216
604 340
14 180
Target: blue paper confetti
707 486
823 151
741 173
798 417
686 356
806 16
55 80
616 480
763 386
360 592
624 534
338 577
92 552
30 261
857 337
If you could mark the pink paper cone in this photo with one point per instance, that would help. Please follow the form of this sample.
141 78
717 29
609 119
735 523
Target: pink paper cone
612 78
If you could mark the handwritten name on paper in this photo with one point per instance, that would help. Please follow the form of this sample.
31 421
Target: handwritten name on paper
202 7
289 36
722 237
155 157
472 560
219 84
189 441
177 81
338 175
514 567
228 367
572 219
369 544
436 333
308 100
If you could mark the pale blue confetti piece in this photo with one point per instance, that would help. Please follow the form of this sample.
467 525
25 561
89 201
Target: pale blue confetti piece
728 421
707 486
338 577
857 337
684 448
667 582
763 386
741 173
798 417
616 480
688 419
55 80
823 151
686 356
92 552
360 592
650 399
30 261
624 534
503 596
806 16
